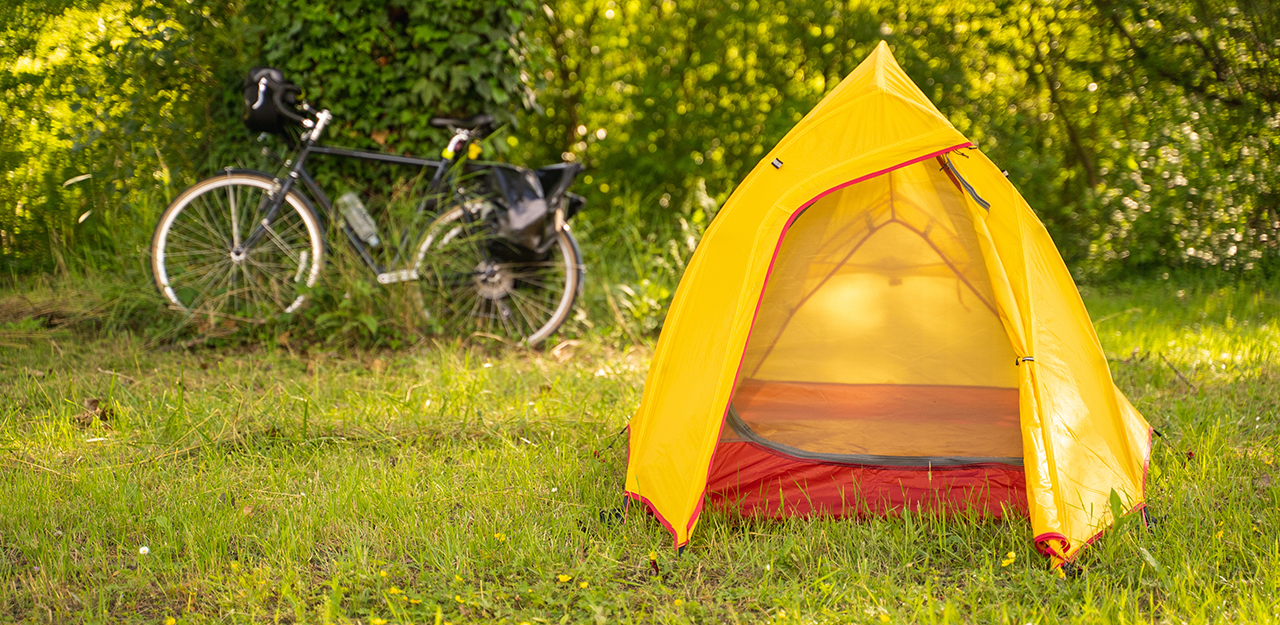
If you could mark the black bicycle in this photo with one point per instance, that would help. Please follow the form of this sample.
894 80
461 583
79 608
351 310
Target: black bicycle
495 254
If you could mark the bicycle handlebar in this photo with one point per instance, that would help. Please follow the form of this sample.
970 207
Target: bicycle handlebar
278 99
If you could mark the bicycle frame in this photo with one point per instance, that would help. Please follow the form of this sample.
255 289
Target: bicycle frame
298 172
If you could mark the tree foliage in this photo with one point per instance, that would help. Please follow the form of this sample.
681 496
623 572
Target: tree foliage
385 68
112 107
1142 131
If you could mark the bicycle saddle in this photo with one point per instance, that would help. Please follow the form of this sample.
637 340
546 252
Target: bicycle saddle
475 121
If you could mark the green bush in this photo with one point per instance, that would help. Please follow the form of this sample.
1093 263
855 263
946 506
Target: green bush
386 68
1143 132
110 108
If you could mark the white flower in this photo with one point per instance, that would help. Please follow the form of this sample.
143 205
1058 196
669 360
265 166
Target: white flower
144 550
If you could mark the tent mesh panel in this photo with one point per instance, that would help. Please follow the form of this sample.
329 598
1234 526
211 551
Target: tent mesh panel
877 333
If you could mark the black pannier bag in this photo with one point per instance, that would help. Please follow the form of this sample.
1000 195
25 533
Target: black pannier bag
261 113
528 199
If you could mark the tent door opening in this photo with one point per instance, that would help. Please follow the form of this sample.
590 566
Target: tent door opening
877 339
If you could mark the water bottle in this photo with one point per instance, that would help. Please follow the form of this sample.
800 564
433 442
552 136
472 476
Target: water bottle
358 218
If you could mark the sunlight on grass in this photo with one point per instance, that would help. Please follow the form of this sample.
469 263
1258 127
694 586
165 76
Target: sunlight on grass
462 483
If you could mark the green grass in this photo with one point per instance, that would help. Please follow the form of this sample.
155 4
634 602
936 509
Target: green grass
453 482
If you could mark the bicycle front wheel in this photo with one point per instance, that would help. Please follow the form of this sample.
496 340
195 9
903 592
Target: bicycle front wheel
471 281
200 262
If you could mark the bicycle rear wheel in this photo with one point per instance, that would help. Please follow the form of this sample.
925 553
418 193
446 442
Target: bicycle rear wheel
472 282
197 264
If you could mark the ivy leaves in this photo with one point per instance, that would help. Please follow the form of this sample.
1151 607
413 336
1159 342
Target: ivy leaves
388 67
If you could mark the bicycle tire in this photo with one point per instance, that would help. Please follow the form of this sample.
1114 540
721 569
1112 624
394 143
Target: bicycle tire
461 288
192 257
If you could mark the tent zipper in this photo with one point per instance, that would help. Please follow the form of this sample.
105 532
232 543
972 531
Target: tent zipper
965 183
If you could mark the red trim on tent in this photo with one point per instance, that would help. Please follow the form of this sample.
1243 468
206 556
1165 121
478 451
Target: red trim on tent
652 508
1044 548
697 511
661 519
758 481
1146 471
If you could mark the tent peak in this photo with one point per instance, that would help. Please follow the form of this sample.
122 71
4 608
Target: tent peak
880 73
882 56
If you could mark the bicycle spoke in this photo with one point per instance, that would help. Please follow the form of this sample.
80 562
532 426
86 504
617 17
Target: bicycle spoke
204 283
531 302
284 247
529 321
199 212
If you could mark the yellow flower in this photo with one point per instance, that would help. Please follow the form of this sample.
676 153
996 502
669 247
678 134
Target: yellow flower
382 573
415 601
583 585
458 598
1218 536
653 555
1061 573
500 536
564 578
393 590
235 566
457 578
884 618
1008 559
170 621
379 621
679 602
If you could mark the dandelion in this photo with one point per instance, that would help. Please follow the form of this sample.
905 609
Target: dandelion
1008 559
582 585
500 536
379 621
382 573
170 621
564 578
679 602
884 618
393 591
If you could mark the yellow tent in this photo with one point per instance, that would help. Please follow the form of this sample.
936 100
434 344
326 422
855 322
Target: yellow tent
876 320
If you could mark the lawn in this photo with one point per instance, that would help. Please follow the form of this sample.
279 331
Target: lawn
470 482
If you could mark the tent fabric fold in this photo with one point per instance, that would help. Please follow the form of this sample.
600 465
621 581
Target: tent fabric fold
881 323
